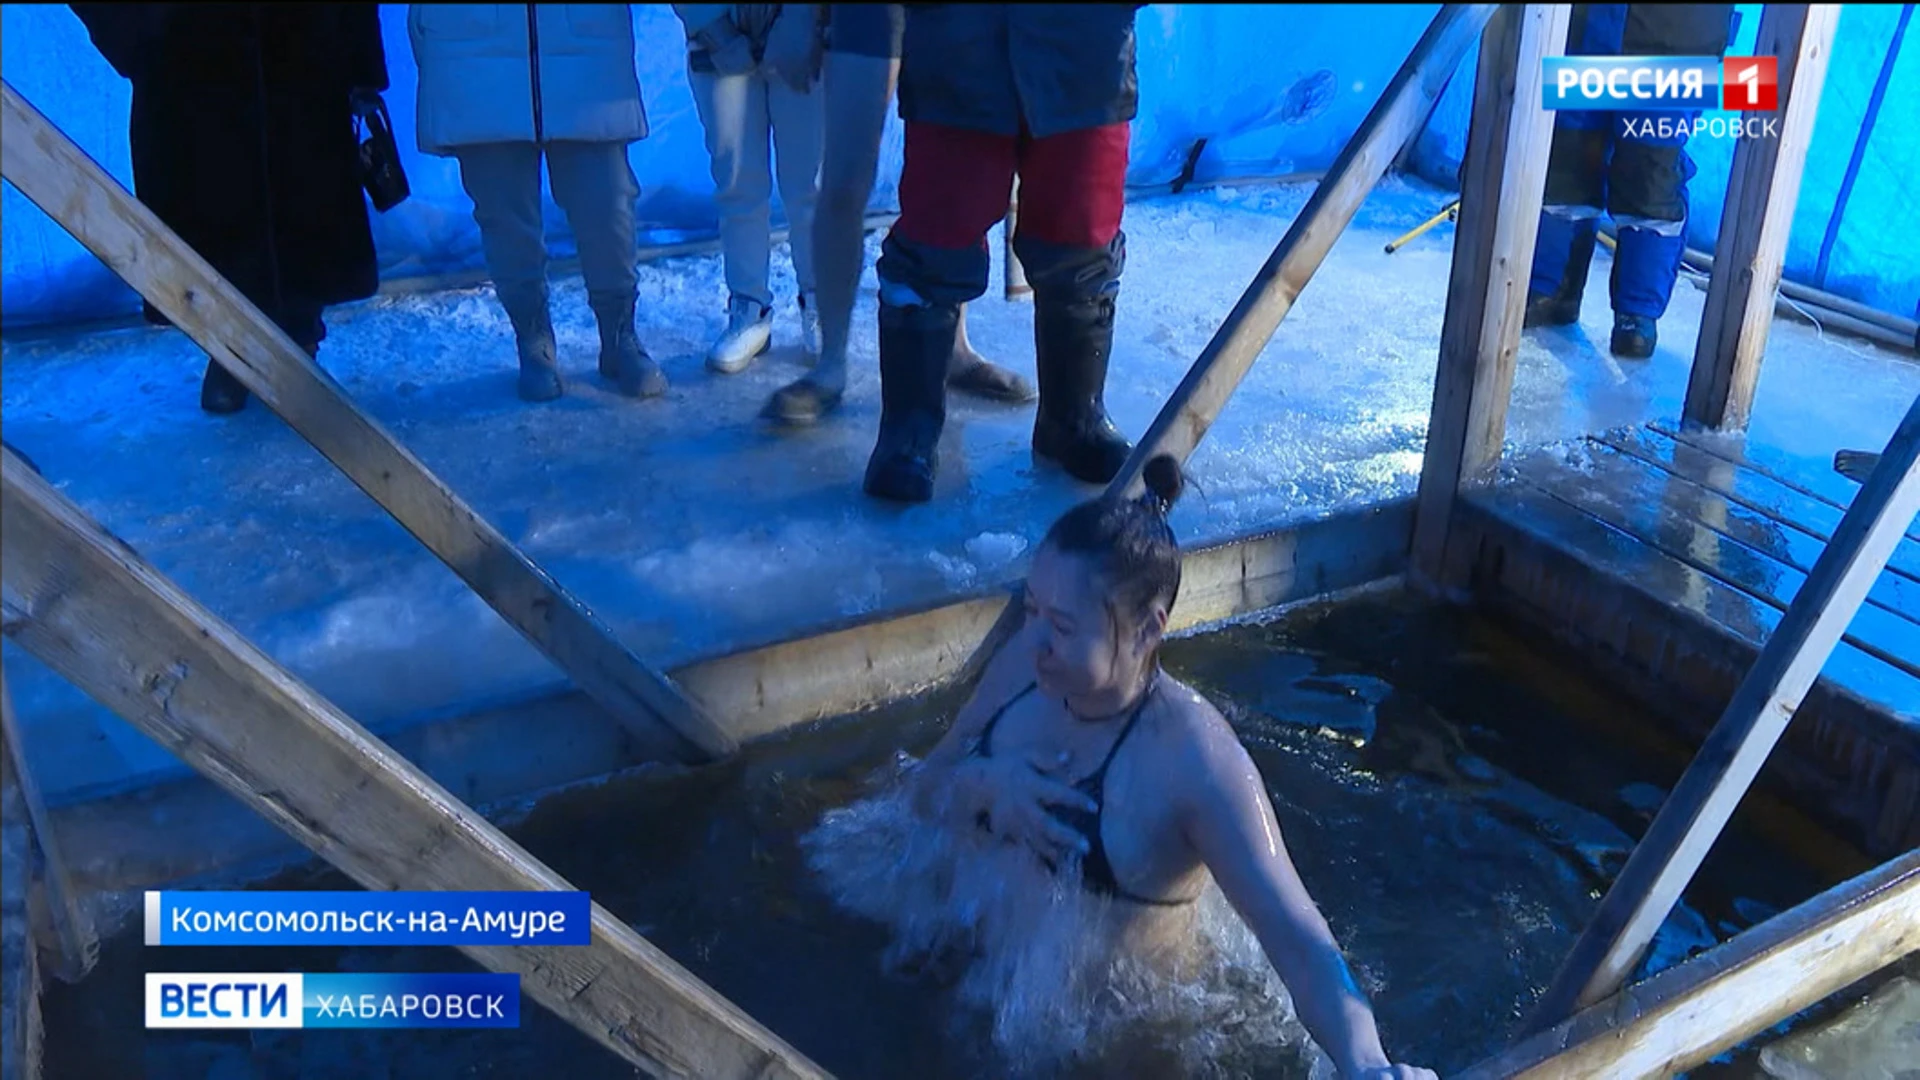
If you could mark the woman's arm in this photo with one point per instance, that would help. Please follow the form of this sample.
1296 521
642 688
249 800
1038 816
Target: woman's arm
1229 821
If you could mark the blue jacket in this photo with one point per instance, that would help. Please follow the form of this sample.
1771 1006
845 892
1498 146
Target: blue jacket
992 67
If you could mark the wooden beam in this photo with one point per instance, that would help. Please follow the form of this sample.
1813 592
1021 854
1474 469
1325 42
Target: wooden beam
90 608
1397 117
1762 192
76 944
1689 1013
76 192
1691 819
1500 194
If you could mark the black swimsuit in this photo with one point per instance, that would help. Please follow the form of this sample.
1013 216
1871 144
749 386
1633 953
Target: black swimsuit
1096 871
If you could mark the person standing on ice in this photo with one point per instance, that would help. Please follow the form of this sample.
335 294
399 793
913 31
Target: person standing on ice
501 87
1625 164
987 91
754 69
861 66
242 138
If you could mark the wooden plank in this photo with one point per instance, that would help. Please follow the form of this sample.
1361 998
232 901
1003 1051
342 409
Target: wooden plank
1751 489
76 946
1762 192
1500 194
73 190
1678 839
1810 476
1684 592
159 835
85 604
1634 481
1643 514
1684 1016
1397 117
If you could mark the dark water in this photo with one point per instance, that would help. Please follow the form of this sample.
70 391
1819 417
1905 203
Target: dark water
1456 803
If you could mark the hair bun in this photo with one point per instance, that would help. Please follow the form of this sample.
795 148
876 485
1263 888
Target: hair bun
1163 479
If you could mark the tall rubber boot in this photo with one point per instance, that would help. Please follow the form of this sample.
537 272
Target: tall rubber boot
526 308
915 346
1073 340
623 360
1561 259
1645 267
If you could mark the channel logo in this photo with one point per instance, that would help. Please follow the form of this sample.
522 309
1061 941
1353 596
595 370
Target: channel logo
1661 83
252 1000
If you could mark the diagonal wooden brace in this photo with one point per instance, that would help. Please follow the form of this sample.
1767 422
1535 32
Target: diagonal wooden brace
89 607
76 192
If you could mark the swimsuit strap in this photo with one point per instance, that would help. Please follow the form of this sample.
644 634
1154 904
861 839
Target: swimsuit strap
983 743
1098 778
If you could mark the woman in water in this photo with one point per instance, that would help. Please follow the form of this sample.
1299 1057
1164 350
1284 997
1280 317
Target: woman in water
1079 755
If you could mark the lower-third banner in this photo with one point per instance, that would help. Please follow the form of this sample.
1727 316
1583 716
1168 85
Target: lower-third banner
359 1000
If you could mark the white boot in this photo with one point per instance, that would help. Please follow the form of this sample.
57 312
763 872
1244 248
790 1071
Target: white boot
809 326
749 333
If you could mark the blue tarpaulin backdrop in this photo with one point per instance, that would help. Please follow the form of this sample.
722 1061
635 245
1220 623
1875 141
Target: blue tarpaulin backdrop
1274 90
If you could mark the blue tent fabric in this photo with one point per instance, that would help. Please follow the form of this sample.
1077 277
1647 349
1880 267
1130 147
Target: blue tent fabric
1273 89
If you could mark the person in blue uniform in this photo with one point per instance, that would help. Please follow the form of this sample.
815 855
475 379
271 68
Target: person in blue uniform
1611 163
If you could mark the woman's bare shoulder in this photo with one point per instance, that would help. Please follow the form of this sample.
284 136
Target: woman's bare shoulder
1195 739
1185 718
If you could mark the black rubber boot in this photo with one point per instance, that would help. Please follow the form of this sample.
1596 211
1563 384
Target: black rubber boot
915 346
1073 340
1634 337
220 393
1562 308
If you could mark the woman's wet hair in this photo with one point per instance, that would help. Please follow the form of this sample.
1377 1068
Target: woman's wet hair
1129 543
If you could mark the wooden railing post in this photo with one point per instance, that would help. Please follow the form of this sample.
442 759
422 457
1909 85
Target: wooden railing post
77 946
1762 191
1013 274
78 194
1500 195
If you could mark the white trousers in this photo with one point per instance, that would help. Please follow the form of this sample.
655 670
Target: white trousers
754 124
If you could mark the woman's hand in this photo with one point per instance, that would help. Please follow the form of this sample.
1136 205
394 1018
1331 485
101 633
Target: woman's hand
1397 1072
1014 792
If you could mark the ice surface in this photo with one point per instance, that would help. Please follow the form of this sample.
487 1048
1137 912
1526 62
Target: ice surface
691 528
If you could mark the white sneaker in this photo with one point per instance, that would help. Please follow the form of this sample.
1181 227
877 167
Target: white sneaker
749 333
809 327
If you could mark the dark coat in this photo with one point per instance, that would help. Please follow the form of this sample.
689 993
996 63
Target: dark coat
243 139
1053 68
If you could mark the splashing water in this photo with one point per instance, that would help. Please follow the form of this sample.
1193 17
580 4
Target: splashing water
1046 966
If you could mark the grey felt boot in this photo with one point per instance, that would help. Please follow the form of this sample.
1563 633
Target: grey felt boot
526 308
623 360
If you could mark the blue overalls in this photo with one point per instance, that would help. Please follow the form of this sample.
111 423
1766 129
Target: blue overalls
1620 163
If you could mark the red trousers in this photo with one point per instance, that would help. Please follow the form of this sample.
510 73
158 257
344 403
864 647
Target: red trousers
957 183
